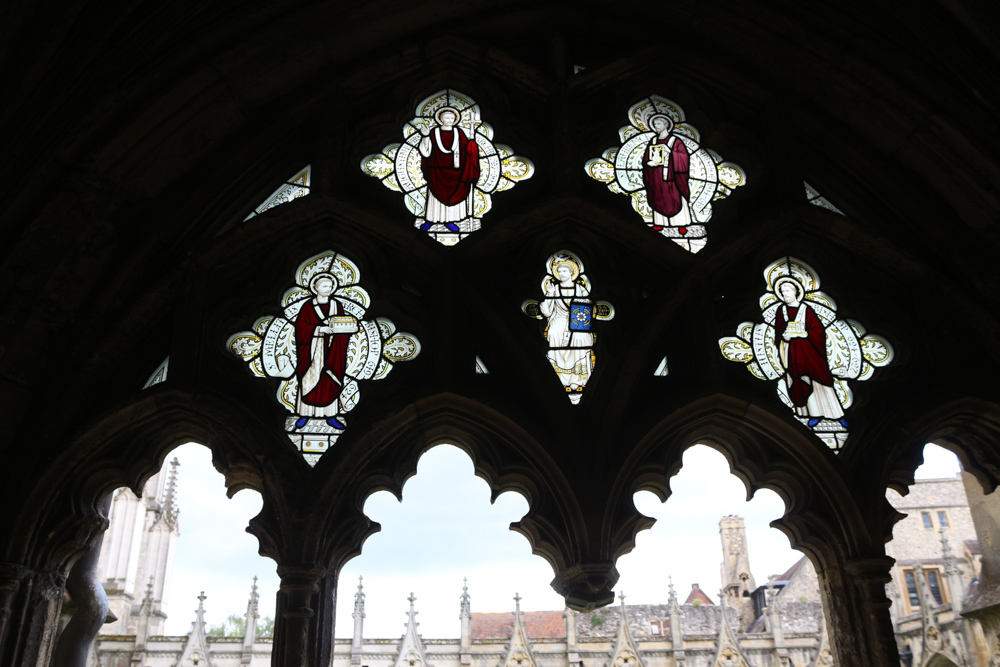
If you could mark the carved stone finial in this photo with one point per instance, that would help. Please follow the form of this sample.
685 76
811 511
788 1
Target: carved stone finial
621 596
170 509
201 598
517 603
412 599
466 611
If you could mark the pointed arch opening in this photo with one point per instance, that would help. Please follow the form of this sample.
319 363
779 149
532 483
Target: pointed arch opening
182 575
443 529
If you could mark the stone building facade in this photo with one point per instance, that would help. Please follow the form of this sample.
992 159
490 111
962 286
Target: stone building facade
780 624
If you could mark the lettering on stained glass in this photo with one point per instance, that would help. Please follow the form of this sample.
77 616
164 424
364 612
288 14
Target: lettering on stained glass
810 352
671 179
448 167
319 348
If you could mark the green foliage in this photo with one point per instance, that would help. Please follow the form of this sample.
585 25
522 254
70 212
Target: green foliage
236 626
803 598
596 620
233 626
697 602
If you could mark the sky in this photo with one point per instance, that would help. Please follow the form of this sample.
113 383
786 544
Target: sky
445 529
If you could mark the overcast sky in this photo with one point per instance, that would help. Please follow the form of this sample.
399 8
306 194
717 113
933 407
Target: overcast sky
446 529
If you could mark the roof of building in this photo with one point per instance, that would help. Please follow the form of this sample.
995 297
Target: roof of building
697 594
538 624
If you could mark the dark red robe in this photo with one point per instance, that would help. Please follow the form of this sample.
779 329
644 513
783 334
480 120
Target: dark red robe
666 196
327 389
806 356
448 184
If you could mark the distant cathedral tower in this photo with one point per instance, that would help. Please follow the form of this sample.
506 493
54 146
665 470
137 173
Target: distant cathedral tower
138 551
737 580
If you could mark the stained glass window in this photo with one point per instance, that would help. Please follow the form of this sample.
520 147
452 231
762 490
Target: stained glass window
159 375
481 367
807 349
662 370
320 347
569 315
816 199
671 179
448 167
295 187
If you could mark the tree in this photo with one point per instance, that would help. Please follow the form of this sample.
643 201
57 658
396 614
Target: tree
233 626
236 626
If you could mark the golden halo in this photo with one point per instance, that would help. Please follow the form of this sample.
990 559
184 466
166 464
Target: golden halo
800 291
565 261
437 114
323 274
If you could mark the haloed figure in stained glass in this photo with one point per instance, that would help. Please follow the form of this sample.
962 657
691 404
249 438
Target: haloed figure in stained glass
801 340
665 175
450 165
569 314
322 331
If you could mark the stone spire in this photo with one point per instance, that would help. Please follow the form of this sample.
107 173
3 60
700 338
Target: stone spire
250 625
411 649
676 634
952 573
626 651
465 615
519 653
196 648
773 622
142 630
169 502
728 650
357 643
572 656
932 634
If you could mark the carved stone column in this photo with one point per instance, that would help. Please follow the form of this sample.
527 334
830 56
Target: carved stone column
91 601
303 624
857 611
29 611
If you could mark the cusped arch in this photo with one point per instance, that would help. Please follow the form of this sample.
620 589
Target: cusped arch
764 450
504 454
967 426
60 519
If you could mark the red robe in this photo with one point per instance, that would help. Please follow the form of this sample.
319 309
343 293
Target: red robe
666 196
450 185
331 379
806 356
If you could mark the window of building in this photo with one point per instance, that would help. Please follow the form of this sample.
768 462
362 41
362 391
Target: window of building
654 628
295 187
911 588
794 309
928 523
934 583
448 167
942 519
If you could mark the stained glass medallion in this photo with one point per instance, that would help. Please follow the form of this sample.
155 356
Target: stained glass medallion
159 375
447 168
816 199
295 187
807 349
569 315
671 179
320 347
